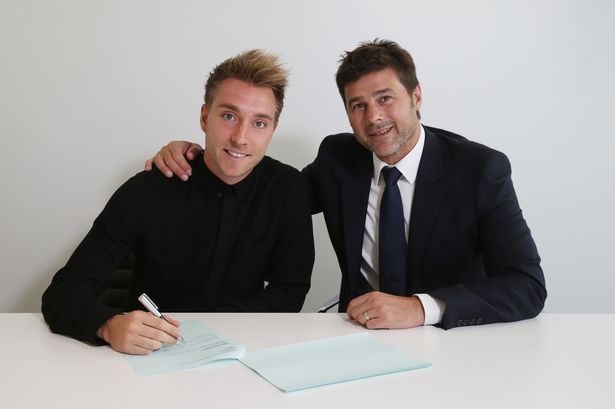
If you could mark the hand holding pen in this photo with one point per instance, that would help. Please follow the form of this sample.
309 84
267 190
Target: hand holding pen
139 332
153 308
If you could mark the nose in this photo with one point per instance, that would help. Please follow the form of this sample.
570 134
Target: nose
374 113
239 136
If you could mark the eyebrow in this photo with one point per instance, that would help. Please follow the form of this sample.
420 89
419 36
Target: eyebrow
374 94
236 109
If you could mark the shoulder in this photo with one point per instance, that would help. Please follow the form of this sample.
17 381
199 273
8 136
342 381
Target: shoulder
152 181
341 143
148 187
342 153
279 183
273 170
458 149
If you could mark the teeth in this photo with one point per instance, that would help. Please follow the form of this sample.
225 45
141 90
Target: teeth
382 132
236 154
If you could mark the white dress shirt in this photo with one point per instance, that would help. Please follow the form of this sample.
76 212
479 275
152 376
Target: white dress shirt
408 166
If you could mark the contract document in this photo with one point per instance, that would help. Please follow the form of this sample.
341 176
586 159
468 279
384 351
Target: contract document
289 367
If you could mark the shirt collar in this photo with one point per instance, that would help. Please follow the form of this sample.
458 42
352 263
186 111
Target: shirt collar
408 165
205 176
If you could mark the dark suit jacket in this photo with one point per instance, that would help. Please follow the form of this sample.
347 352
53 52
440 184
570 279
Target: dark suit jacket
468 244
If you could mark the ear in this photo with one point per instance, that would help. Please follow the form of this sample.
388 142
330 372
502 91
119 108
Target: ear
204 117
417 97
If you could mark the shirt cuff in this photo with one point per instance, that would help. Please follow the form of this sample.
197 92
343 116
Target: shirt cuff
433 308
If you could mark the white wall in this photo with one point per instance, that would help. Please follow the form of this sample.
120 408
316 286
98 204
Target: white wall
90 89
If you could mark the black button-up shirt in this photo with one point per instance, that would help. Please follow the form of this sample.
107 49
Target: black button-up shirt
200 245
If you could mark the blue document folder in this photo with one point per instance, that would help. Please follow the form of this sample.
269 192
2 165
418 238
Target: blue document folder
329 360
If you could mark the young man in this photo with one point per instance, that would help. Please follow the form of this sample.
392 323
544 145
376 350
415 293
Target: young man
425 224
237 237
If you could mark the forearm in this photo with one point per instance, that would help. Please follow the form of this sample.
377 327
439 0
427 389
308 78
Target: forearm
504 281
71 305
73 309
505 298
311 187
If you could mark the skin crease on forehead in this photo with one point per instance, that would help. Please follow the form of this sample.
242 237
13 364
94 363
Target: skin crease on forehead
383 115
238 127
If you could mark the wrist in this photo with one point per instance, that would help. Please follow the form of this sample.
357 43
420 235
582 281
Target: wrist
103 330
420 310
101 333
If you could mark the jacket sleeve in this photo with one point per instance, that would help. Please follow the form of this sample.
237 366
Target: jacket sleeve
311 186
512 286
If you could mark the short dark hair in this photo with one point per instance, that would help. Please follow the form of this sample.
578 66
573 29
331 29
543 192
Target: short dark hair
257 67
373 56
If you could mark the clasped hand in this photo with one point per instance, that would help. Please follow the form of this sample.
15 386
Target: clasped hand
380 310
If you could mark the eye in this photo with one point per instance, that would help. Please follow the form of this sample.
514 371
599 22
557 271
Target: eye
260 124
227 116
358 106
385 99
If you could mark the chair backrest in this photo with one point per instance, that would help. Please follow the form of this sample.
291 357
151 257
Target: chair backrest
118 284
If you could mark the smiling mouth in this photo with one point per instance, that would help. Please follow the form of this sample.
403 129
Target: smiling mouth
380 132
235 154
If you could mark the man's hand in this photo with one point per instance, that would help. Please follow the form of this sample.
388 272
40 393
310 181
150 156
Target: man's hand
171 159
139 332
379 310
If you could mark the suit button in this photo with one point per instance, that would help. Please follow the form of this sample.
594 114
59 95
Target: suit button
478 321
472 321
459 323
466 322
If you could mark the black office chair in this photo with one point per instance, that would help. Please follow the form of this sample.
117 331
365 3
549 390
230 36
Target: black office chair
118 284
329 304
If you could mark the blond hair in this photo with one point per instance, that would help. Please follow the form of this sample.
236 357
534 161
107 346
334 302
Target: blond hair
257 67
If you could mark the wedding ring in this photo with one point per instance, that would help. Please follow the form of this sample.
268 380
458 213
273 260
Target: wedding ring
365 316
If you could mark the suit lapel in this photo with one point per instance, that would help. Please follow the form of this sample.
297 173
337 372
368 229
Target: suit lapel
428 195
355 194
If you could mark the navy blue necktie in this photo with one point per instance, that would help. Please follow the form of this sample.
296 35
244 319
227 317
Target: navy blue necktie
392 241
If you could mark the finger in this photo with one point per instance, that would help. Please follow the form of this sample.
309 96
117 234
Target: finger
376 323
183 164
147 343
171 320
355 307
159 329
154 334
148 165
138 350
359 317
194 150
361 304
175 162
130 348
357 313
162 167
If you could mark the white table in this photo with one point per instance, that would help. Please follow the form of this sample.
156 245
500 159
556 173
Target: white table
553 361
